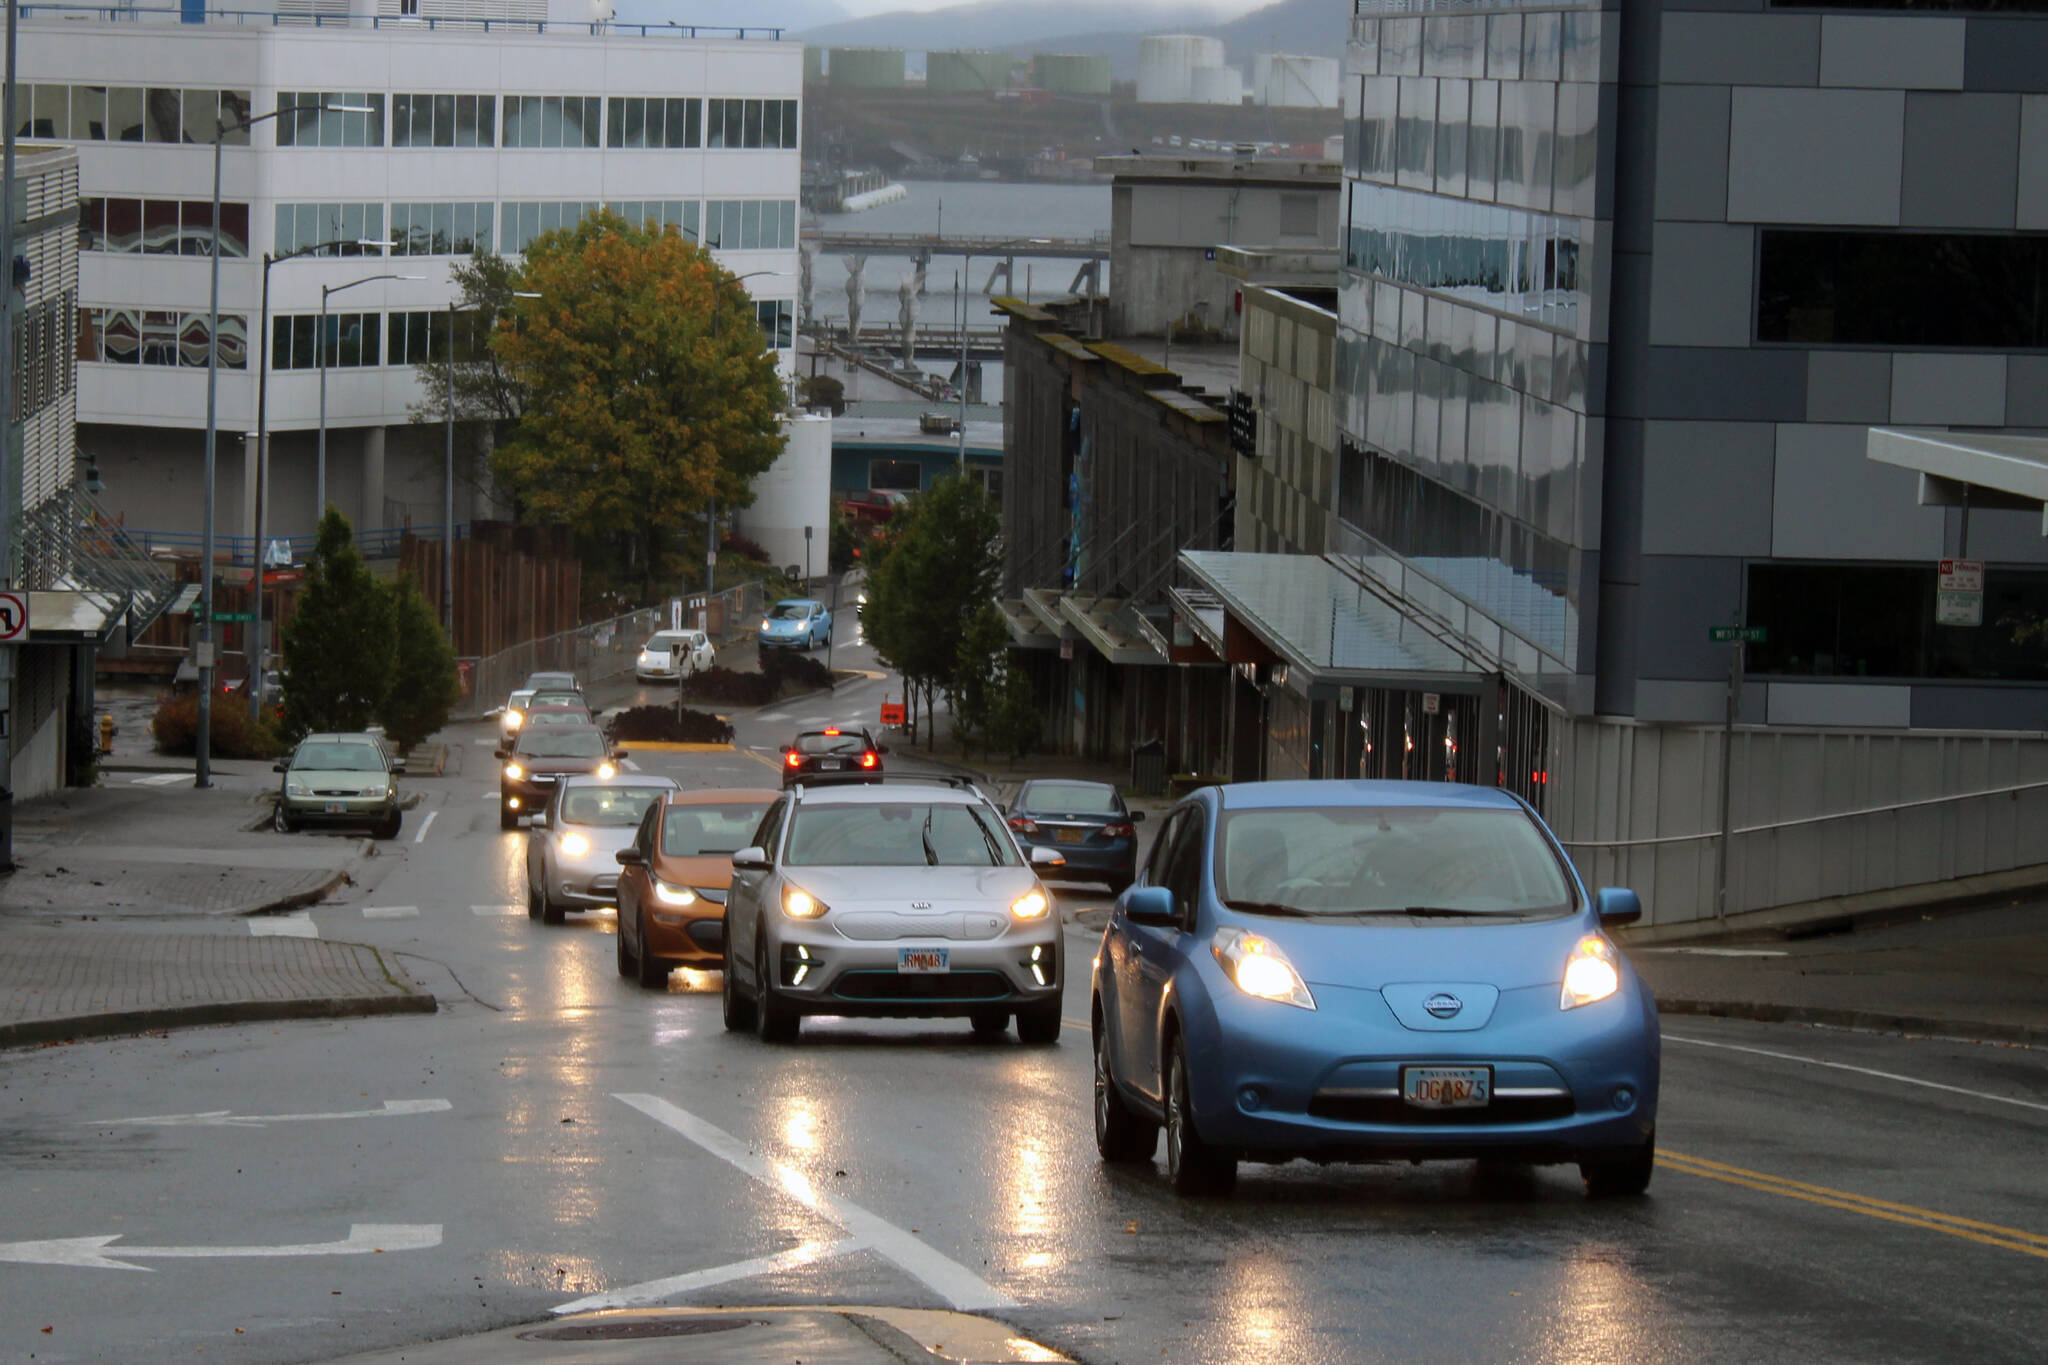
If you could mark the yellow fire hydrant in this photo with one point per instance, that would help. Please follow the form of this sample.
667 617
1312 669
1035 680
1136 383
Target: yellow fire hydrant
106 732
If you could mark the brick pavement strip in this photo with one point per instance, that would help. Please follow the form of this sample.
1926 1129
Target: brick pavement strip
111 888
71 981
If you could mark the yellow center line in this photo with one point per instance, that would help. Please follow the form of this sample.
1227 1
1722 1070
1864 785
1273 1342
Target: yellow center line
1989 1234
763 761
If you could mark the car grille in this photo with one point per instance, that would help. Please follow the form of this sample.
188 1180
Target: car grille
896 986
1390 1110
338 791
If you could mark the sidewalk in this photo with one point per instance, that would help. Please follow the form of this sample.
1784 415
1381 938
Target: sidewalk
90 941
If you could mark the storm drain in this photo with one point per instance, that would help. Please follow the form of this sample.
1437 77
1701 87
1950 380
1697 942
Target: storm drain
638 1329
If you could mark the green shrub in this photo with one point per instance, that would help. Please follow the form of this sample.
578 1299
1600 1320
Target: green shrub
175 728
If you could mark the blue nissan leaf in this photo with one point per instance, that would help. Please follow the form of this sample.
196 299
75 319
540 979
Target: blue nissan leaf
1364 971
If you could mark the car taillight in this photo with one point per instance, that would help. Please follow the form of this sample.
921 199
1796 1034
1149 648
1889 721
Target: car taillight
1023 826
796 760
868 760
1119 831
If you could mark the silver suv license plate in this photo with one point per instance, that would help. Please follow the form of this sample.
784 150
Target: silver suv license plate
923 961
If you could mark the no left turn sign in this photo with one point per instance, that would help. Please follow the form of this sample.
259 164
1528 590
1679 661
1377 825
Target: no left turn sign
13 617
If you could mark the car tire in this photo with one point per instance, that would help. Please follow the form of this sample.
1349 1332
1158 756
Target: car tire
989 1023
535 907
654 972
739 1010
1040 1025
1122 1136
388 827
1620 1177
628 964
775 1021
1194 1167
282 822
507 818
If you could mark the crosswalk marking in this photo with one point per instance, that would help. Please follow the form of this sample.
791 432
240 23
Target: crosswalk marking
158 779
283 926
391 912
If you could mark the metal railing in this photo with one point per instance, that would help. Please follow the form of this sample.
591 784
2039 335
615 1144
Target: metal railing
171 14
378 543
1775 825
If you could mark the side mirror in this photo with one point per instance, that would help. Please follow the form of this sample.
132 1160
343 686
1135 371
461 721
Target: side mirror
398 767
618 753
1041 856
539 820
1617 905
280 766
629 857
502 753
881 748
751 859
785 748
1150 905
1136 817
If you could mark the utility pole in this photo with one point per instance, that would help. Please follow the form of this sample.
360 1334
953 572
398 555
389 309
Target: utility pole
10 430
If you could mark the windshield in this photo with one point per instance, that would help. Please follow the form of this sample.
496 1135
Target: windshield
699 831
898 834
1071 798
562 741
346 757
540 699
517 700
830 744
1350 860
543 681
789 611
609 807
561 716
663 641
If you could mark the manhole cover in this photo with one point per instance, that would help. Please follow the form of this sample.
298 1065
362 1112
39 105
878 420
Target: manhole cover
636 1329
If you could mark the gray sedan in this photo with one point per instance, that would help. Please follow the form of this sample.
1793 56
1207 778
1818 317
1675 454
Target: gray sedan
570 844
898 898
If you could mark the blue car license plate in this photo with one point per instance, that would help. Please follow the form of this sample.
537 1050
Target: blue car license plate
1447 1087
923 961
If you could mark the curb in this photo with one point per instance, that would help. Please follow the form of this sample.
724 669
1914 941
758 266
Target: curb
36 1031
312 896
1871 1020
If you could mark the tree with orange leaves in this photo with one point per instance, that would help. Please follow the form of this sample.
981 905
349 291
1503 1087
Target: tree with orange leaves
648 392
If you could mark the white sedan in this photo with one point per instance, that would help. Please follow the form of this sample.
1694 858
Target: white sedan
672 655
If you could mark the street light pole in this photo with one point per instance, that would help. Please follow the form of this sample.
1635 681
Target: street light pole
320 477
202 769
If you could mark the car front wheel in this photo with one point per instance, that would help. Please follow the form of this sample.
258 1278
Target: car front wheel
1610 1177
628 964
653 971
739 1011
775 1020
1192 1164
282 822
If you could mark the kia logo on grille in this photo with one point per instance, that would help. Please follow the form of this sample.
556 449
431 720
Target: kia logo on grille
1443 1004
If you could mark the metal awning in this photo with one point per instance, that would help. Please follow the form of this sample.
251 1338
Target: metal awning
1104 623
1969 469
1325 625
85 575
1044 603
1026 630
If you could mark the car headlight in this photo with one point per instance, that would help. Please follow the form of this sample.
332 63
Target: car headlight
574 846
1256 966
673 895
607 770
513 718
1030 905
801 904
514 771
767 624
1591 973
297 789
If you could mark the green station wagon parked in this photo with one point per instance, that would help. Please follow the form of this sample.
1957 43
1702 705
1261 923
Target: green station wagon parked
339 780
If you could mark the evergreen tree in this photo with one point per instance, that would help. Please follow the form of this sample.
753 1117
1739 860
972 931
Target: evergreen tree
1017 723
340 649
424 686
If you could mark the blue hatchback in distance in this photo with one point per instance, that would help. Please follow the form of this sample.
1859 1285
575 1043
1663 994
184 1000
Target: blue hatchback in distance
1362 971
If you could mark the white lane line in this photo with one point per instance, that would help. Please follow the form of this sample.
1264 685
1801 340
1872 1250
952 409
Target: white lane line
283 926
391 912
223 1118
1860 1070
814 720
497 909
158 779
653 1291
950 1280
425 825
485 742
1719 952
629 765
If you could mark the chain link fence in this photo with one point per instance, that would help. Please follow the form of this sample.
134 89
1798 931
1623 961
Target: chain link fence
603 649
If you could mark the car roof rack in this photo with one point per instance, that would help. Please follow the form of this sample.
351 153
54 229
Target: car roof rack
957 781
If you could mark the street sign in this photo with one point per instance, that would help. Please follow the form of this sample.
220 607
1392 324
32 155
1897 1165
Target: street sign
1959 592
1738 635
13 617
1432 703
232 617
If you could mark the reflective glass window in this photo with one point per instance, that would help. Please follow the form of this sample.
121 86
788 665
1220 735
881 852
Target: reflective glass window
89 113
124 113
1903 289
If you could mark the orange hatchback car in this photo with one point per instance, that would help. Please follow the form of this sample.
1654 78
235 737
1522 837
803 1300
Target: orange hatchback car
673 878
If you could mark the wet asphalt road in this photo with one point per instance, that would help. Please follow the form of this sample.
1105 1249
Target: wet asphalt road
556 1133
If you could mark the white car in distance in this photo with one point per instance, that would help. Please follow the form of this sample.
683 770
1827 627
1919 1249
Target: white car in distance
672 655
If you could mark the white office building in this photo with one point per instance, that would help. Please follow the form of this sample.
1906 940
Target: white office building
473 125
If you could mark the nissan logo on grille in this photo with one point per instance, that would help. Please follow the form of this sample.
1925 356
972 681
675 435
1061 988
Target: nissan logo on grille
1443 1005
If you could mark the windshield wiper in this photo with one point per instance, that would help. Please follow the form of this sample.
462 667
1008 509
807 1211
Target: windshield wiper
931 855
1431 912
1270 908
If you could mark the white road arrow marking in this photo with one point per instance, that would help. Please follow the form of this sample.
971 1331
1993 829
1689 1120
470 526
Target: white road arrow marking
950 1280
222 1118
284 926
88 1253
653 1291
